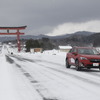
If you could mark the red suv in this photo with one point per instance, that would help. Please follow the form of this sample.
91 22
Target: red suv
83 57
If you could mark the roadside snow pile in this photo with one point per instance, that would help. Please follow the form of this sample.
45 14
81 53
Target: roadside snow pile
46 52
49 55
54 52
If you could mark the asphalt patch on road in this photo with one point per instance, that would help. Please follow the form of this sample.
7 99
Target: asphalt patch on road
18 65
8 59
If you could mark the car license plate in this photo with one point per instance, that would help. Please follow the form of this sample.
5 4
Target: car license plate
95 64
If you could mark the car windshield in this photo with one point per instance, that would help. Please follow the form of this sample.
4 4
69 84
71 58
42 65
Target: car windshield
88 51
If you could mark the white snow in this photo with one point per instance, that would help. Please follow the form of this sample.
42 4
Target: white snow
65 47
43 76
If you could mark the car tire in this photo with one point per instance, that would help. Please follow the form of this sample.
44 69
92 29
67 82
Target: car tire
67 63
78 68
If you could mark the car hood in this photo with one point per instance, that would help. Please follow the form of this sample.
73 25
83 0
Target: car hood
91 56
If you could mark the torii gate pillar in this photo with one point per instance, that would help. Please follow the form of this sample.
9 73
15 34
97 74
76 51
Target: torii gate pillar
18 41
16 33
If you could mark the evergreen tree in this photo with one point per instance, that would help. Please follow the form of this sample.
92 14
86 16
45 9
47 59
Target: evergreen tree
32 44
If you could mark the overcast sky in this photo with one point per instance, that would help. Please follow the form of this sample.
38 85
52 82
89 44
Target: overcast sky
53 17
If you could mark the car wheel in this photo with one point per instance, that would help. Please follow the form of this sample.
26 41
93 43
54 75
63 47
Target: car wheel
78 68
67 64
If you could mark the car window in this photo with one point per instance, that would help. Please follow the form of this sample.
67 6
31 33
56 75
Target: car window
72 50
89 51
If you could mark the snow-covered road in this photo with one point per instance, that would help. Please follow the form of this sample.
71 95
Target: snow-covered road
43 76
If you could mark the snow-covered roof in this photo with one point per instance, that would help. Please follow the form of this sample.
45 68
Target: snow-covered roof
65 47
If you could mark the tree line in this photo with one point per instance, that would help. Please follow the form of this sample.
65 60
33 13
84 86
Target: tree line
43 43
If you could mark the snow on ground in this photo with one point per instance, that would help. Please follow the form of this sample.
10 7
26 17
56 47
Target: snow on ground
43 76
13 85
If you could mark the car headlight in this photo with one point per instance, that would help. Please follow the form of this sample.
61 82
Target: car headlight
83 58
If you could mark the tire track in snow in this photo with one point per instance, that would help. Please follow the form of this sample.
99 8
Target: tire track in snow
43 92
75 76
64 73
59 79
31 60
91 72
9 59
53 74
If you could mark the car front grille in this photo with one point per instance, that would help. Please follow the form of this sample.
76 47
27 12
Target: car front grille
95 60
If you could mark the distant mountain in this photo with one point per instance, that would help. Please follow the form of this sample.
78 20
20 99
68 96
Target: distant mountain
80 33
94 39
84 33
7 38
81 38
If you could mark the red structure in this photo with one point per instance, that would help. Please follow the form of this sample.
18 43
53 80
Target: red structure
18 33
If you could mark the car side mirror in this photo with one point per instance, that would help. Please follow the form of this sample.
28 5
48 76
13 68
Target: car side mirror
74 53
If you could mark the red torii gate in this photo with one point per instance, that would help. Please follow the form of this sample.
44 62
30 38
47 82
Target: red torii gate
16 33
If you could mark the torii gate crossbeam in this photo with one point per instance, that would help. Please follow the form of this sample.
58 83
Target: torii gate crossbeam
16 33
